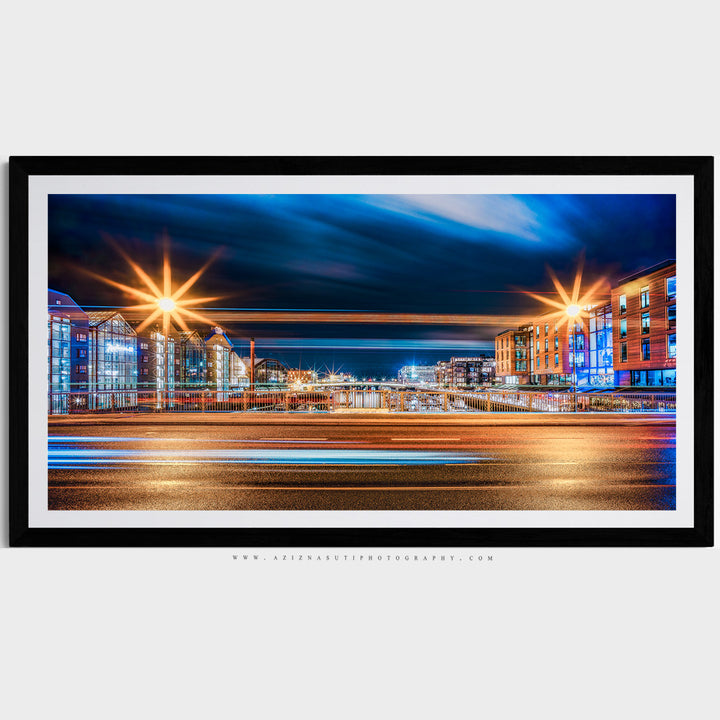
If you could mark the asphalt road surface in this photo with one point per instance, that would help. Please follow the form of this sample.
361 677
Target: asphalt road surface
506 462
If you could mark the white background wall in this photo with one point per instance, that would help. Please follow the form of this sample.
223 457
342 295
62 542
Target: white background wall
568 633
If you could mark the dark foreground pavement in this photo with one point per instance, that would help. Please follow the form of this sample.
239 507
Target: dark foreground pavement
268 461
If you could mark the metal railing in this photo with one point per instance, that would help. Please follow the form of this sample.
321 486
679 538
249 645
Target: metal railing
346 399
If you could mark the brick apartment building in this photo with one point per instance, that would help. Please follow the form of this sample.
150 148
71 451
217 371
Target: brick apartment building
629 341
644 327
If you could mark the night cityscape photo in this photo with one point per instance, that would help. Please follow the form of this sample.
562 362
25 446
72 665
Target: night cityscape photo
361 352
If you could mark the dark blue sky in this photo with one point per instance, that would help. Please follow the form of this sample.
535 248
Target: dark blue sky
464 254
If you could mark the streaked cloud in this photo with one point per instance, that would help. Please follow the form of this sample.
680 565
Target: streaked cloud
504 214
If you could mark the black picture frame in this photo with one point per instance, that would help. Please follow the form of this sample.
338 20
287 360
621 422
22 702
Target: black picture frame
699 168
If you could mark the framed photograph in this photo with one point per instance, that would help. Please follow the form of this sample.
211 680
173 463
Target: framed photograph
361 351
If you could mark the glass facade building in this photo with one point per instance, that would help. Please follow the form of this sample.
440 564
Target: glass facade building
631 341
59 330
112 362
238 371
151 361
600 353
217 357
190 361
98 361
644 305
67 354
270 372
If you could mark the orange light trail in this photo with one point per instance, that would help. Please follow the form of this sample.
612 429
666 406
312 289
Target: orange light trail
319 316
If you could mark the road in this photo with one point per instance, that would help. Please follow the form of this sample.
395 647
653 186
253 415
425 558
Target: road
362 462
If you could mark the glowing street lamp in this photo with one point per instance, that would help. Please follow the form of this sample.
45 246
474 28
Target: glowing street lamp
572 312
166 304
569 307
171 305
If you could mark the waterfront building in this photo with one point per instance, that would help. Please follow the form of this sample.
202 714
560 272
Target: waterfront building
190 361
644 327
542 352
112 361
239 376
418 374
443 373
472 371
67 354
269 371
600 346
551 352
217 358
630 341
512 355
151 360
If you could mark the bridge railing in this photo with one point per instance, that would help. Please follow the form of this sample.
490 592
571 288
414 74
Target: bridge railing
345 399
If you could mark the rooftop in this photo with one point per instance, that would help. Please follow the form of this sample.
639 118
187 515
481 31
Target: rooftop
645 271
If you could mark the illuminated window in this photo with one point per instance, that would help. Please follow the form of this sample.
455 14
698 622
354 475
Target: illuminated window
670 287
645 296
623 352
645 323
672 345
623 328
671 317
623 304
646 349
557 358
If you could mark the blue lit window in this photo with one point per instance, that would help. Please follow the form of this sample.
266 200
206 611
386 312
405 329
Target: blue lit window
672 345
645 297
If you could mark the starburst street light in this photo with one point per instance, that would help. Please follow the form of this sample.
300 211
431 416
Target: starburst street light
569 309
172 305
166 304
573 310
